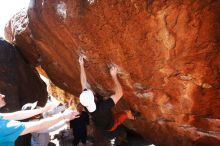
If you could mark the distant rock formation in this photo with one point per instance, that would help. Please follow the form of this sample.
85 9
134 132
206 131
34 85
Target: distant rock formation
168 53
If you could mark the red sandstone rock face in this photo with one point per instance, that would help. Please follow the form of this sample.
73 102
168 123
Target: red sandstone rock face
168 52
19 81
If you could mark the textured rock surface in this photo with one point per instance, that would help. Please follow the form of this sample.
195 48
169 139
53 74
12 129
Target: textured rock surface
168 52
19 81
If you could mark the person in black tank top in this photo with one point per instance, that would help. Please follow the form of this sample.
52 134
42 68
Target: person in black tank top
101 110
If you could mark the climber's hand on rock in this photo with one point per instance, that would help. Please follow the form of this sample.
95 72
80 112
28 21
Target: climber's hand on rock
113 71
82 57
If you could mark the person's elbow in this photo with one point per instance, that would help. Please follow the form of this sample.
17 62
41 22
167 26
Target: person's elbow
118 95
119 92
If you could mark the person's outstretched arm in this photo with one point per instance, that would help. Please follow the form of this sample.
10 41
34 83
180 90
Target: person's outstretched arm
53 128
83 78
36 126
118 89
20 115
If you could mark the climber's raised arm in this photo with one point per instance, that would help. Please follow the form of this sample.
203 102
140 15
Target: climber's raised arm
118 89
83 78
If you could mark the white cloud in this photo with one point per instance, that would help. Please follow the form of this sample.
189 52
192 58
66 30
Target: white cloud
7 9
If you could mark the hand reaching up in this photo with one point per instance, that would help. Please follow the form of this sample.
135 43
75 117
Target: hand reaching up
113 71
81 59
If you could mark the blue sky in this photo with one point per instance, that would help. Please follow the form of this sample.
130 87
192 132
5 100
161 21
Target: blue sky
7 9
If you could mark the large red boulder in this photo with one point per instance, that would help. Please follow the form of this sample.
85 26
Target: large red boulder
167 51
